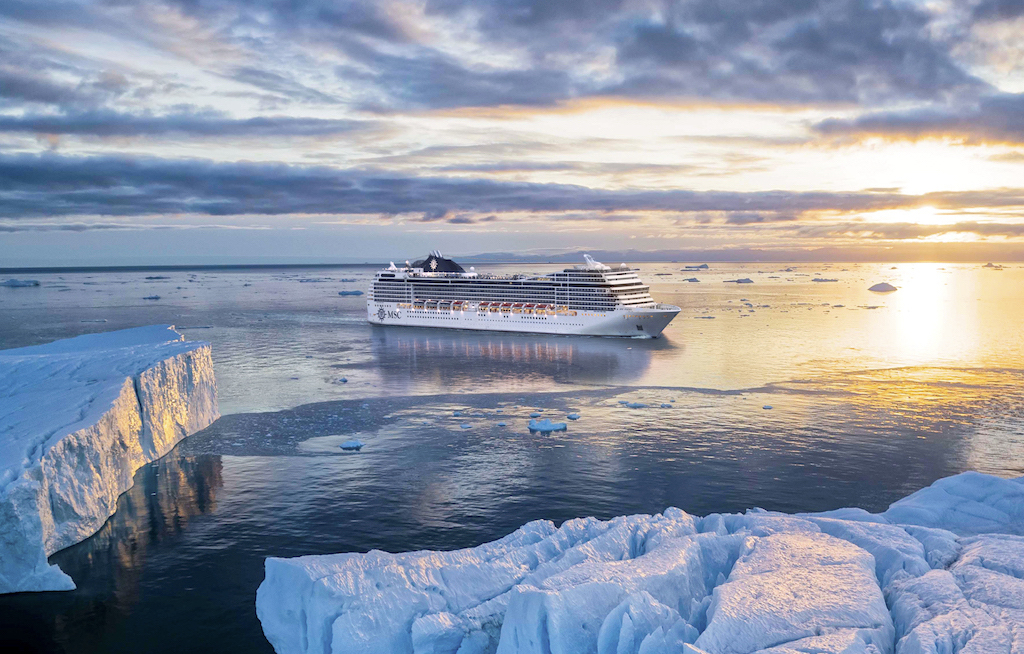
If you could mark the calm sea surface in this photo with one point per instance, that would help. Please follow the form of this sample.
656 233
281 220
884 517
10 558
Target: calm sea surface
872 396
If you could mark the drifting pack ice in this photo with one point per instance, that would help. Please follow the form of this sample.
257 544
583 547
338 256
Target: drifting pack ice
78 417
939 572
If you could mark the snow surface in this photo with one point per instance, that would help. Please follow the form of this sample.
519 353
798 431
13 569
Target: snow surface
78 417
940 572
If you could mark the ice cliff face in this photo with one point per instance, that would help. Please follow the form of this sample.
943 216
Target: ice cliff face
77 418
941 571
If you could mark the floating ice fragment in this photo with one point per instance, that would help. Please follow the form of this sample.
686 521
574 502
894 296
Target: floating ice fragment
465 425
692 280
19 283
546 426
502 424
883 287
768 407
573 416
743 280
151 297
347 281
157 277
353 445
824 279
456 414
704 317
702 266
534 415
635 405
344 380
350 292
666 405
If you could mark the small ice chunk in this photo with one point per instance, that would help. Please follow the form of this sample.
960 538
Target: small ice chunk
768 407
743 280
353 445
151 297
456 414
824 279
883 287
534 415
545 426
573 416
692 280
350 292
466 425
19 283
502 424
666 405
344 380
635 405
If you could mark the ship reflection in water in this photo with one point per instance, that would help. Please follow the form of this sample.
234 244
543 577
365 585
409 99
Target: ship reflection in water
409 357
112 568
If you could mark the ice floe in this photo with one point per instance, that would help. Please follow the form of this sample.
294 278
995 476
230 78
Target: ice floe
78 417
353 445
350 292
883 287
941 571
573 416
743 280
19 283
545 426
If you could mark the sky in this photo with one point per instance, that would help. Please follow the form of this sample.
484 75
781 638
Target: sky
279 131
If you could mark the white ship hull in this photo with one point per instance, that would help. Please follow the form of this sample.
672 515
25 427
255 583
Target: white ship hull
634 322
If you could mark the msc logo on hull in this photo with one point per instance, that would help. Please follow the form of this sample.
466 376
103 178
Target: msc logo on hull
391 315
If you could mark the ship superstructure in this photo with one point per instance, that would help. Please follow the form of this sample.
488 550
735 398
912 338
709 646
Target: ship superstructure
591 298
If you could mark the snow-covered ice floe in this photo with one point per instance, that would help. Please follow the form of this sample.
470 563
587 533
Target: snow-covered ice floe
939 572
78 417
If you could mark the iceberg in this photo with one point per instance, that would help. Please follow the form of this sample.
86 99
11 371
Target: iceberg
883 287
78 417
940 571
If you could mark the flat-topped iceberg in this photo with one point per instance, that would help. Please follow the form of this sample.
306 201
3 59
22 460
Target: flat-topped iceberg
78 417
940 571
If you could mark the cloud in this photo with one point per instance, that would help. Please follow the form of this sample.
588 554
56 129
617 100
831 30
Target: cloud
209 124
54 185
998 10
907 231
994 119
442 54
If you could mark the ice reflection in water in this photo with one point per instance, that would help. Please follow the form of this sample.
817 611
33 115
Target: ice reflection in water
114 569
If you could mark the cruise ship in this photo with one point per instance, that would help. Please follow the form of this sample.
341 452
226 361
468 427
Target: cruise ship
589 299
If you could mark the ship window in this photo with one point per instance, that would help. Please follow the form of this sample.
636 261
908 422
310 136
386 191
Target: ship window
639 328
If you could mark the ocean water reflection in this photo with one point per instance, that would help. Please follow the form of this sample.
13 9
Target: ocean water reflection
424 360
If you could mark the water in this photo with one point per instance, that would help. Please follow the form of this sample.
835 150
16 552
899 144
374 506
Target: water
869 404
